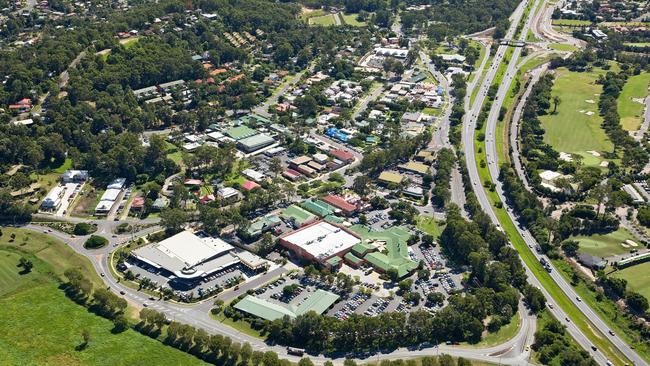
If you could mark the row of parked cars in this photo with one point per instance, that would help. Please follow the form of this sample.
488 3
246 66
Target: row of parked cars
351 306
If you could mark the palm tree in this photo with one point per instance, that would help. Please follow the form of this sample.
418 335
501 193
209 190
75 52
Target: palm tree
556 102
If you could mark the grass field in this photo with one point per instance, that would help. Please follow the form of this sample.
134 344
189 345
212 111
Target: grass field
430 226
10 277
324 20
56 254
631 111
39 325
505 333
605 245
570 130
571 22
637 278
351 19
637 44
562 47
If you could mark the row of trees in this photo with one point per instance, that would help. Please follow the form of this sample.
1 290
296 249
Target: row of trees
442 179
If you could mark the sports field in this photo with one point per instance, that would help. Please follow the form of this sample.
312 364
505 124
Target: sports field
630 102
605 245
325 20
351 19
638 278
575 128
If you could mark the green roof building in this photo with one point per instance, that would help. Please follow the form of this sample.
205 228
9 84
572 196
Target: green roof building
240 132
333 262
396 254
297 215
318 302
390 177
318 207
258 227
353 259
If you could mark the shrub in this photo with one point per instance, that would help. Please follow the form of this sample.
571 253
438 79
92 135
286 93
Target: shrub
95 242
84 228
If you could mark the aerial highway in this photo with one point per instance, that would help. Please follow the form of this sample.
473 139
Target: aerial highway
601 328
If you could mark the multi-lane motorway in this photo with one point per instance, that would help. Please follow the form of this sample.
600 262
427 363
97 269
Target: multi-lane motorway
596 323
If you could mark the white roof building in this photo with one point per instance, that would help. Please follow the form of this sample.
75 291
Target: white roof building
188 256
254 175
320 241
53 198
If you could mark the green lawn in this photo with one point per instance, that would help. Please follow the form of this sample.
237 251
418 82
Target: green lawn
67 164
605 245
325 20
562 47
52 251
570 130
10 277
351 19
41 326
311 13
240 325
504 333
631 111
637 44
430 226
638 278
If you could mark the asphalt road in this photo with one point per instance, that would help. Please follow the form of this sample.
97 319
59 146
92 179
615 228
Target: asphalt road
468 138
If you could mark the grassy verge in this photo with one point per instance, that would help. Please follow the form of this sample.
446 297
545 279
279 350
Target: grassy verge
504 333
239 325
430 226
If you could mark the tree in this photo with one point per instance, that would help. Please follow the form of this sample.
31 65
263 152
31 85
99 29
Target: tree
570 247
83 228
173 219
120 324
275 165
95 242
305 361
361 185
637 302
556 102
26 264
85 336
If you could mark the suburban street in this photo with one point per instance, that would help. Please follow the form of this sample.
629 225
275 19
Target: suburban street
468 141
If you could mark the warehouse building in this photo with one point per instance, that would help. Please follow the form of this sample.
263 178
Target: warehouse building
255 142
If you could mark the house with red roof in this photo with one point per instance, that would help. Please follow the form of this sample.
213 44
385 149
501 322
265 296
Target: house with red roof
249 185
342 155
339 202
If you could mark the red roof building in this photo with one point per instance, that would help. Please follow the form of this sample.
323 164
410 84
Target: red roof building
249 185
138 203
337 201
291 174
342 155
